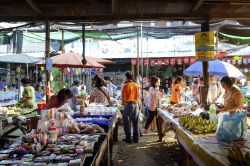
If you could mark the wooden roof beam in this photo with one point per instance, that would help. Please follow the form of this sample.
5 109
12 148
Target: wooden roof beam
35 7
197 5
114 6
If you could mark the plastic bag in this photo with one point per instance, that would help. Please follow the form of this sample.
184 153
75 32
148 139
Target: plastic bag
232 127
141 116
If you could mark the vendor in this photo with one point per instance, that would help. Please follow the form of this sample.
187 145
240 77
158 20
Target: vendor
28 95
38 93
63 97
177 90
233 98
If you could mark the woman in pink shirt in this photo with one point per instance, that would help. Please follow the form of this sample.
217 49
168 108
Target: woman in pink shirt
154 95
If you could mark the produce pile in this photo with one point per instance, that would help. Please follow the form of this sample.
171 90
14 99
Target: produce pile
178 110
197 125
14 111
237 158
90 128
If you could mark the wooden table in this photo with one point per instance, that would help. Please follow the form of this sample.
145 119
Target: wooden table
203 149
107 145
8 127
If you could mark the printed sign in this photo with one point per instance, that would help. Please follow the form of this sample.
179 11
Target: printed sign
204 46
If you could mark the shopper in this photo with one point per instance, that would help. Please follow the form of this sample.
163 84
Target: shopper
75 91
1 84
130 100
233 98
63 97
214 89
28 95
177 91
111 87
195 89
100 93
154 100
38 93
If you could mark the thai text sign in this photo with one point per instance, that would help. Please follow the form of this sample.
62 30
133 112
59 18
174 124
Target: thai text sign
204 46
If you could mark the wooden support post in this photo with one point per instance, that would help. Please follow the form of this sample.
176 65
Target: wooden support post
205 28
47 54
63 51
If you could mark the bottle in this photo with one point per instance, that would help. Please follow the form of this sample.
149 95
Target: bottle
82 109
212 112
53 133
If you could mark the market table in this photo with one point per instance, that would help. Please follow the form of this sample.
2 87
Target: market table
8 126
202 149
107 144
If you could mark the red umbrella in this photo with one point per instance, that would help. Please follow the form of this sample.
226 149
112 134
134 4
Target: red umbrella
74 60
99 60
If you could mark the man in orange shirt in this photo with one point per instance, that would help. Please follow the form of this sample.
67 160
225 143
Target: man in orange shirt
130 100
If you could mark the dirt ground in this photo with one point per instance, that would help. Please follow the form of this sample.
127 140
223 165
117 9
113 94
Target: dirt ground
148 152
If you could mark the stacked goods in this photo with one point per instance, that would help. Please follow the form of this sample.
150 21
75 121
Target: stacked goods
197 125
182 111
236 157
90 128
68 150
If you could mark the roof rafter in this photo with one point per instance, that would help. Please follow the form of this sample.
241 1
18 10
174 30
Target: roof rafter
198 4
35 7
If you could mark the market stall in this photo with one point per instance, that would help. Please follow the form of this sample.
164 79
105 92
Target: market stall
8 98
200 149
13 119
61 138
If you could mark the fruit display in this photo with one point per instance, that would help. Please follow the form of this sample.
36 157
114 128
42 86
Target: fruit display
168 107
182 111
194 106
237 158
197 125
83 94
14 111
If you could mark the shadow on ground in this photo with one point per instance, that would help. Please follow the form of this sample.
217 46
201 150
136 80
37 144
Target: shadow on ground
148 152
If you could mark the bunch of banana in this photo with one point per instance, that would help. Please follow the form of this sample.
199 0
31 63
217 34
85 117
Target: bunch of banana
197 125
183 120
237 158
194 107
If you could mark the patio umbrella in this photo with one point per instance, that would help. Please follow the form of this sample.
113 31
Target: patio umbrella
19 58
217 68
73 60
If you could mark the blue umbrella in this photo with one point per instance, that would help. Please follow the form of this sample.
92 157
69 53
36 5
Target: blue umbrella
216 68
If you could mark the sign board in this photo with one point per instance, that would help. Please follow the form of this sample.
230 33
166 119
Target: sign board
204 46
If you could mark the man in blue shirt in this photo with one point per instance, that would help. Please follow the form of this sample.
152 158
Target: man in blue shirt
74 89
1 84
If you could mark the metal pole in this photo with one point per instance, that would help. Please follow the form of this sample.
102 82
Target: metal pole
27 68
36 74
47 54
138 58
147 59
141 67
83 44
204 28
63 51
62 43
